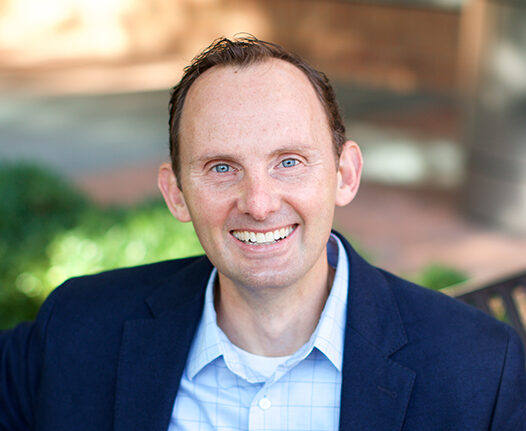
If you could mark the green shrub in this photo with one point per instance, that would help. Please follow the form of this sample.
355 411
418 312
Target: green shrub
145 234
437 276
35 205
50 232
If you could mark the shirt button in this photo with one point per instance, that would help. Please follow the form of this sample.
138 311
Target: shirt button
264 403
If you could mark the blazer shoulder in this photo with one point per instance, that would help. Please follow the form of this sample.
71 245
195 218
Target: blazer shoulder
432 309
123 290
451 335
456 348
422 310
145 275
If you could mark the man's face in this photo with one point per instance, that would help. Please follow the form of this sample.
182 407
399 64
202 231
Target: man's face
259 174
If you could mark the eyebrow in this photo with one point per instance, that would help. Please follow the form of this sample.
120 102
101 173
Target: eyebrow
295 148
231 156
211 156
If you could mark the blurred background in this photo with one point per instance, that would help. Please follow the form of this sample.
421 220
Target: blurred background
434 91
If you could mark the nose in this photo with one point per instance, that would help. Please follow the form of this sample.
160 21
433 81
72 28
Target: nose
259 197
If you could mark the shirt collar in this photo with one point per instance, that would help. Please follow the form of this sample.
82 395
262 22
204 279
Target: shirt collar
207 345
210 342
329 334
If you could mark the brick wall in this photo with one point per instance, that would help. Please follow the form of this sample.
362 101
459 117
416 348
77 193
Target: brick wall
398 47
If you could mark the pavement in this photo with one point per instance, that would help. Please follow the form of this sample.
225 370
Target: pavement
111 145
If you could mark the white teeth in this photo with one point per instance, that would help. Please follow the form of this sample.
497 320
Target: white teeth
263 238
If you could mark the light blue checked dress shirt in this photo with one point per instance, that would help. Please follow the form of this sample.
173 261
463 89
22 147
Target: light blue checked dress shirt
224 388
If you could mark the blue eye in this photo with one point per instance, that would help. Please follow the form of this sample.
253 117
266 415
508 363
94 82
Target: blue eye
221 168
289 163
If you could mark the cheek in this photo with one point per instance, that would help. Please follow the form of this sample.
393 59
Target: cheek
321 199
317 190
313 202
207 209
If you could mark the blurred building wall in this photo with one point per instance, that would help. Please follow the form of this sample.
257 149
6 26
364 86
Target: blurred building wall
495 188
475 46
400 47
394 46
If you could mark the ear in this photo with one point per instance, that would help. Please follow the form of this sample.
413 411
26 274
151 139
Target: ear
349 173
172 194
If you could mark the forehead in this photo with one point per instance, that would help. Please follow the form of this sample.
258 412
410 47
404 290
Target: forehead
270 94
270 78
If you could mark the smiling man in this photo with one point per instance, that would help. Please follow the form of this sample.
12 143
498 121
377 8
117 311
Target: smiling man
259 177
281 326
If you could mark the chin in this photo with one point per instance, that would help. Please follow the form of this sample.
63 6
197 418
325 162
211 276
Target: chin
267 279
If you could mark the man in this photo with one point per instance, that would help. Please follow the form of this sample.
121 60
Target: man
282 325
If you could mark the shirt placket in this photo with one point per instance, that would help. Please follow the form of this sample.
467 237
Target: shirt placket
265 411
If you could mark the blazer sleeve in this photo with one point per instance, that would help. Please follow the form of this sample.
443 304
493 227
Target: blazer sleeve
510 408
21 355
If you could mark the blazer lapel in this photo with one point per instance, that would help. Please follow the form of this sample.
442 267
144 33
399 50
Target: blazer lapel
154 351
375 388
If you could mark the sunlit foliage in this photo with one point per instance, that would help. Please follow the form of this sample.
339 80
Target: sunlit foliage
49 232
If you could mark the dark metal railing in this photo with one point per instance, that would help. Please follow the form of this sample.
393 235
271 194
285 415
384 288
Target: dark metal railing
504 299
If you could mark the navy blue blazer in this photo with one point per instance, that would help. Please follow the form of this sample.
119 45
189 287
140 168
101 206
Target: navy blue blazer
107 352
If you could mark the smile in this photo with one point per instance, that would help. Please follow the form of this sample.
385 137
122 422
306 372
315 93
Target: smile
263 238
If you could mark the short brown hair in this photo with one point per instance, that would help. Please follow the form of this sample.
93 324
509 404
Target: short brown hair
244 52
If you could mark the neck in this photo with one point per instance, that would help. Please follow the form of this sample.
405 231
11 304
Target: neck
274 321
